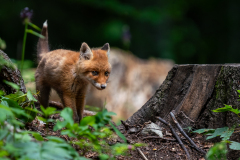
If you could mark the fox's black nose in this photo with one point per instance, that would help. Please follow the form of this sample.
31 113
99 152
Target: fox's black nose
103 86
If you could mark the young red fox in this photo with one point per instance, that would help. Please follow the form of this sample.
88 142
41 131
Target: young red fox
69 73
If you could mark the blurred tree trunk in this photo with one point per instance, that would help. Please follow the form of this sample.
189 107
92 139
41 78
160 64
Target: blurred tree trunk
9 73
191 92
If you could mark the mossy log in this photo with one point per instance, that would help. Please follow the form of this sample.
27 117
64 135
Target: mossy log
191 92
9 73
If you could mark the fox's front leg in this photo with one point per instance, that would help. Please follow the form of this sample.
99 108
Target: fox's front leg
80 103
69 101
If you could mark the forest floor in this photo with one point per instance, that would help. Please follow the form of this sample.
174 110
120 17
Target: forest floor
166 148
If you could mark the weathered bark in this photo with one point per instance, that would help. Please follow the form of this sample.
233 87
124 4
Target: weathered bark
191 92
10 73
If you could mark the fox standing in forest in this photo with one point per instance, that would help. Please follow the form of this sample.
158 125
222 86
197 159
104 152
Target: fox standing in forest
69 73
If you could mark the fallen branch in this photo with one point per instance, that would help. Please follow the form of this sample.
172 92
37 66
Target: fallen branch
185 135
157 137
143 156
54 104
176 136
59 105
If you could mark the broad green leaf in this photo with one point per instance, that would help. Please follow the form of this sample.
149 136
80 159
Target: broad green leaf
83 158
30 96
5 103
111 114
48 111
37 136
16 109
234 145
236 111
21 114
53 150
238 91
5 112
206 131
118 133
51 120
67 115
218 132
13 85
227 108
60 125
3 133
223 109
42 119
16 122
32 112
1 93
89 120
23 137
10 103
218 151
103 156
139 144
69 133
4 154
19 96
28 150
227 134
55 139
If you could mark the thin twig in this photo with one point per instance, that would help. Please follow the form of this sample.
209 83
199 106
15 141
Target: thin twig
139 131
184 134
143 156
176 136
57 105
157 137
187 116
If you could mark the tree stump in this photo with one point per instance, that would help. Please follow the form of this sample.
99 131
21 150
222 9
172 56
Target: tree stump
10 73
191 92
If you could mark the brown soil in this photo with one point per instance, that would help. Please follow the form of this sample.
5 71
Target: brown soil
167 148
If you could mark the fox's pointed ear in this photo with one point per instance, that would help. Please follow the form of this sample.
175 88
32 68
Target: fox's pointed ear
85 51
106 47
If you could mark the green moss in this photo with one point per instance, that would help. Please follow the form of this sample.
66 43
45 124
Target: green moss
217 89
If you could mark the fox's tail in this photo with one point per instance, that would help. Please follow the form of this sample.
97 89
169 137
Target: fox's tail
42 46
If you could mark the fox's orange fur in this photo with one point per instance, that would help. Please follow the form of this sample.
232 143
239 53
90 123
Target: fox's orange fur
69 73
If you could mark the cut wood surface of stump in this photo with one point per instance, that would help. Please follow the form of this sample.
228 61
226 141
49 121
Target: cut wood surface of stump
191 92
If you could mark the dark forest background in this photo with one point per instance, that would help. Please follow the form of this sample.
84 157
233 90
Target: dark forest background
184 30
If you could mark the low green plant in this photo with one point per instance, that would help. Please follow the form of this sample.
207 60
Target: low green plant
220 149
46 113
91 134
94 138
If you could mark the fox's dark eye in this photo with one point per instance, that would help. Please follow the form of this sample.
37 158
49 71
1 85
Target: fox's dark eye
94 73
106 73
